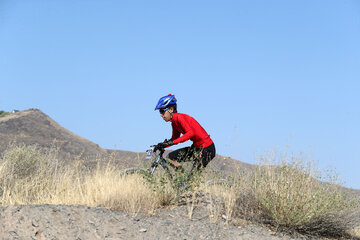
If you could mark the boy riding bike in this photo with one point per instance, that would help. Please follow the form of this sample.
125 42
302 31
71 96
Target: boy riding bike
202 151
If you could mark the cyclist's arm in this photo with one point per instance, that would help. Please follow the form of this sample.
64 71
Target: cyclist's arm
175 134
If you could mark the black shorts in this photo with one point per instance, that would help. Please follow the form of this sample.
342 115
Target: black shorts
201 156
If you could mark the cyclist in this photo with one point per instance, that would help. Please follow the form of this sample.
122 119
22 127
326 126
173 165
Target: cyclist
202 151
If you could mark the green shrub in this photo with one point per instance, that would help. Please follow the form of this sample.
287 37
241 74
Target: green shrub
3 113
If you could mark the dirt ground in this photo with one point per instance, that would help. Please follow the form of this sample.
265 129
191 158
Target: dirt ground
81 222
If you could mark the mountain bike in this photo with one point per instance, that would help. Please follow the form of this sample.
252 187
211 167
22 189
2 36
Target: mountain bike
156 153
183 175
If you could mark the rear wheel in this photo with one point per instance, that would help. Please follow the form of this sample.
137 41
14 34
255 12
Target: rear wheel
218 182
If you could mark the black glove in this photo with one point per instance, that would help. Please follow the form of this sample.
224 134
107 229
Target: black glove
166 143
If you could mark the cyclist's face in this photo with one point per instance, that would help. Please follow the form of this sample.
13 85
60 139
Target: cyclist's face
166 115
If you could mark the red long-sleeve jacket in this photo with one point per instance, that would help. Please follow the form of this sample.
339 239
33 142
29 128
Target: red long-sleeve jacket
191 129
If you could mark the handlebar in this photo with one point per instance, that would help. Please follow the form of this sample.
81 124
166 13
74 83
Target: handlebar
158 147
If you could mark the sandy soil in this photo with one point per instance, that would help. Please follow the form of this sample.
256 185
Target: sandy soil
81 222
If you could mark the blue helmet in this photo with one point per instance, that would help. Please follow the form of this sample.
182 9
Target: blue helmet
166 102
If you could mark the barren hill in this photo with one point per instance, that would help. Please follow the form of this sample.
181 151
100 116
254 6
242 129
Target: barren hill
35 127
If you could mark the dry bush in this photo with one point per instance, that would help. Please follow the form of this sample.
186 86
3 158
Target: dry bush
222 199
233 201
286 192
25 171
292 197
164 189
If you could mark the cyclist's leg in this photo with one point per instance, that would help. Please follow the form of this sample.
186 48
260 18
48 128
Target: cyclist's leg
202 158
179 155
207 155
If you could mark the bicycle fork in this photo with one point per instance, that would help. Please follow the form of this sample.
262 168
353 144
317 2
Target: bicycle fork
166 168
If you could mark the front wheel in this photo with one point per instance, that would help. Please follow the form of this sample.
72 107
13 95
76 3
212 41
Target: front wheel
135 170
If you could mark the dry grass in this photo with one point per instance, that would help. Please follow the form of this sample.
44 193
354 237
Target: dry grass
28 176
215 210
355 232
191 204
233 203
286 193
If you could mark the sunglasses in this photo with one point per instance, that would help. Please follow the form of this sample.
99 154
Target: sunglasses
162 111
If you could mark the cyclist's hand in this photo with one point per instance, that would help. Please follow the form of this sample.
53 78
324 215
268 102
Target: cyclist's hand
160 146
166 143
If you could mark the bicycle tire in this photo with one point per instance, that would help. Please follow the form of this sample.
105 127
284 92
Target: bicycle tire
218 182
135 170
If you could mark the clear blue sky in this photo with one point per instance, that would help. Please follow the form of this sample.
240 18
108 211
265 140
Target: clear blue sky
256 74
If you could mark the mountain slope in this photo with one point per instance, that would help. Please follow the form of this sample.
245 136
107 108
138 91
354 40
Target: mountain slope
35 127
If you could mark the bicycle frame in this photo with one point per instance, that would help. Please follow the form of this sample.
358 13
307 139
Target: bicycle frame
160 160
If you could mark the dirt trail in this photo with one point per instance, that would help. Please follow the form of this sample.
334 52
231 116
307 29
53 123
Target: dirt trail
81 222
